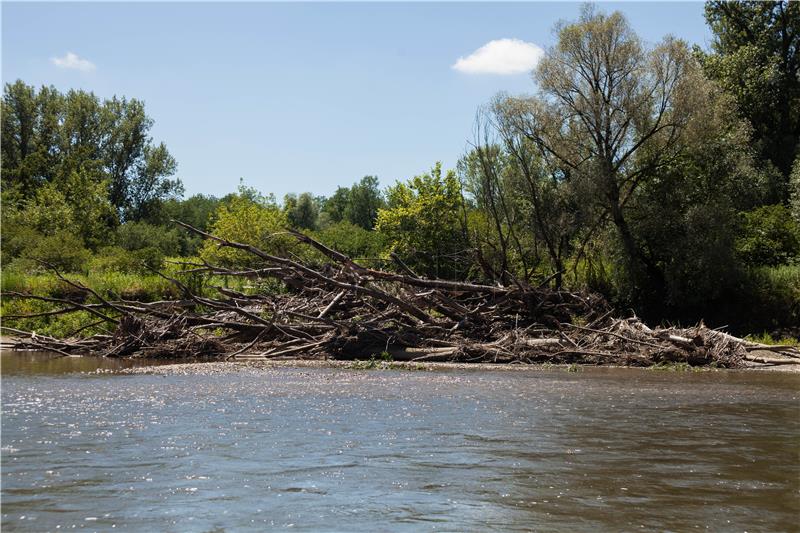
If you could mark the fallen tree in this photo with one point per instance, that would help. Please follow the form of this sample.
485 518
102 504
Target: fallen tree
340 309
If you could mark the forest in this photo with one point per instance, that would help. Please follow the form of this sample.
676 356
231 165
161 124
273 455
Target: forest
663 177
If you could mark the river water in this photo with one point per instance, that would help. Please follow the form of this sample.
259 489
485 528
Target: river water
247 449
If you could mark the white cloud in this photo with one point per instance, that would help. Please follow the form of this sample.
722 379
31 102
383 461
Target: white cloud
501 56
73 62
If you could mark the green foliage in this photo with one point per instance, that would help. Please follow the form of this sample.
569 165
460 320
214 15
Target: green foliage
301 211
75 203
117 259
352 240
769 236
51 137
110 284
60 326
755 59
133 236
364 201
250 220
423 223
197 211
63 250
794 190
766 338
685 216
769 300
358 204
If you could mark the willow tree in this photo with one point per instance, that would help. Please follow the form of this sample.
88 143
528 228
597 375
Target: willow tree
610 112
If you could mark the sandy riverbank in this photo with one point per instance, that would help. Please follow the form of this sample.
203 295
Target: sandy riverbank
208 368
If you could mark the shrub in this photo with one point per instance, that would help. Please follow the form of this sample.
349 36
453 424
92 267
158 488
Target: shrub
63 250
116 259
250 221
352 240
770 236
133 236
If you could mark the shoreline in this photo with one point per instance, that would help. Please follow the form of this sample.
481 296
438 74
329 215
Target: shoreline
159 365
221 366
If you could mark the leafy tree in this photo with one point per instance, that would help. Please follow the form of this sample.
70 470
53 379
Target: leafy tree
354 241
358 204
250 219
423 224
49 136
770 236
364 201
610 112
526 193
133 236
755 58
335 206
794 190
63 250
687 215
75 203
302 211
198 211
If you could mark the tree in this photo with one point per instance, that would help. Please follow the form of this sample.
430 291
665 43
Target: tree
610 112
523 192
335 205
423 224
794 190
687 216
755 58
364 202
302 211
770 236
48 136
358 204
249 218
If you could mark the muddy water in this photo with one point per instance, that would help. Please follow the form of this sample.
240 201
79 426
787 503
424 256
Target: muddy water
335 450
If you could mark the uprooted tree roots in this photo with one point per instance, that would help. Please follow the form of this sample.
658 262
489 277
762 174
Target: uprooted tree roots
343 310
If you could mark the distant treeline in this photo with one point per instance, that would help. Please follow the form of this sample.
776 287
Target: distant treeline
665 177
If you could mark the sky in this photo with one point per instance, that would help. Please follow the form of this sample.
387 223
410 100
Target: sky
295 97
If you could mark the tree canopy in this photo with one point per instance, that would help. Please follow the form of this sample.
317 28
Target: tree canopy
48 137
754 57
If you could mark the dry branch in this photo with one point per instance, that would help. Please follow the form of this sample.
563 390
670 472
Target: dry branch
345 310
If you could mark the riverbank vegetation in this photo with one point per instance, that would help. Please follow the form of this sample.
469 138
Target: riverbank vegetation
664 178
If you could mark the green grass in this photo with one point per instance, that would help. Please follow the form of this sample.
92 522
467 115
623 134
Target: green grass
766 338
111 285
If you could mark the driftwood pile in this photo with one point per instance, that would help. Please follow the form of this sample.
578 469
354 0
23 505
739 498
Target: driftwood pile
339 309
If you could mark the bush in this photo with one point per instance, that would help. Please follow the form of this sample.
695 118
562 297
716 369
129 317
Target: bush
770 236
64 250
250 221
116 259
133 236
352 240
771 300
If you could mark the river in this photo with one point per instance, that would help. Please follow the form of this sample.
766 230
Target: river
249 449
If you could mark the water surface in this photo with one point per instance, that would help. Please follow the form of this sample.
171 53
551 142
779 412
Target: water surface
337 450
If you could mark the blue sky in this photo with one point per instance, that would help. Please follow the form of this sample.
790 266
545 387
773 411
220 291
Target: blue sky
302 97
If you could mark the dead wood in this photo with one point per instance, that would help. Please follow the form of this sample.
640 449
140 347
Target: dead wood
344 310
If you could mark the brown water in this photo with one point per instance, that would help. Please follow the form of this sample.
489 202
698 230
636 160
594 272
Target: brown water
337 450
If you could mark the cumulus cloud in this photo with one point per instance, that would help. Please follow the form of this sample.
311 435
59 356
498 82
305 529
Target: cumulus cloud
501 56
73 62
